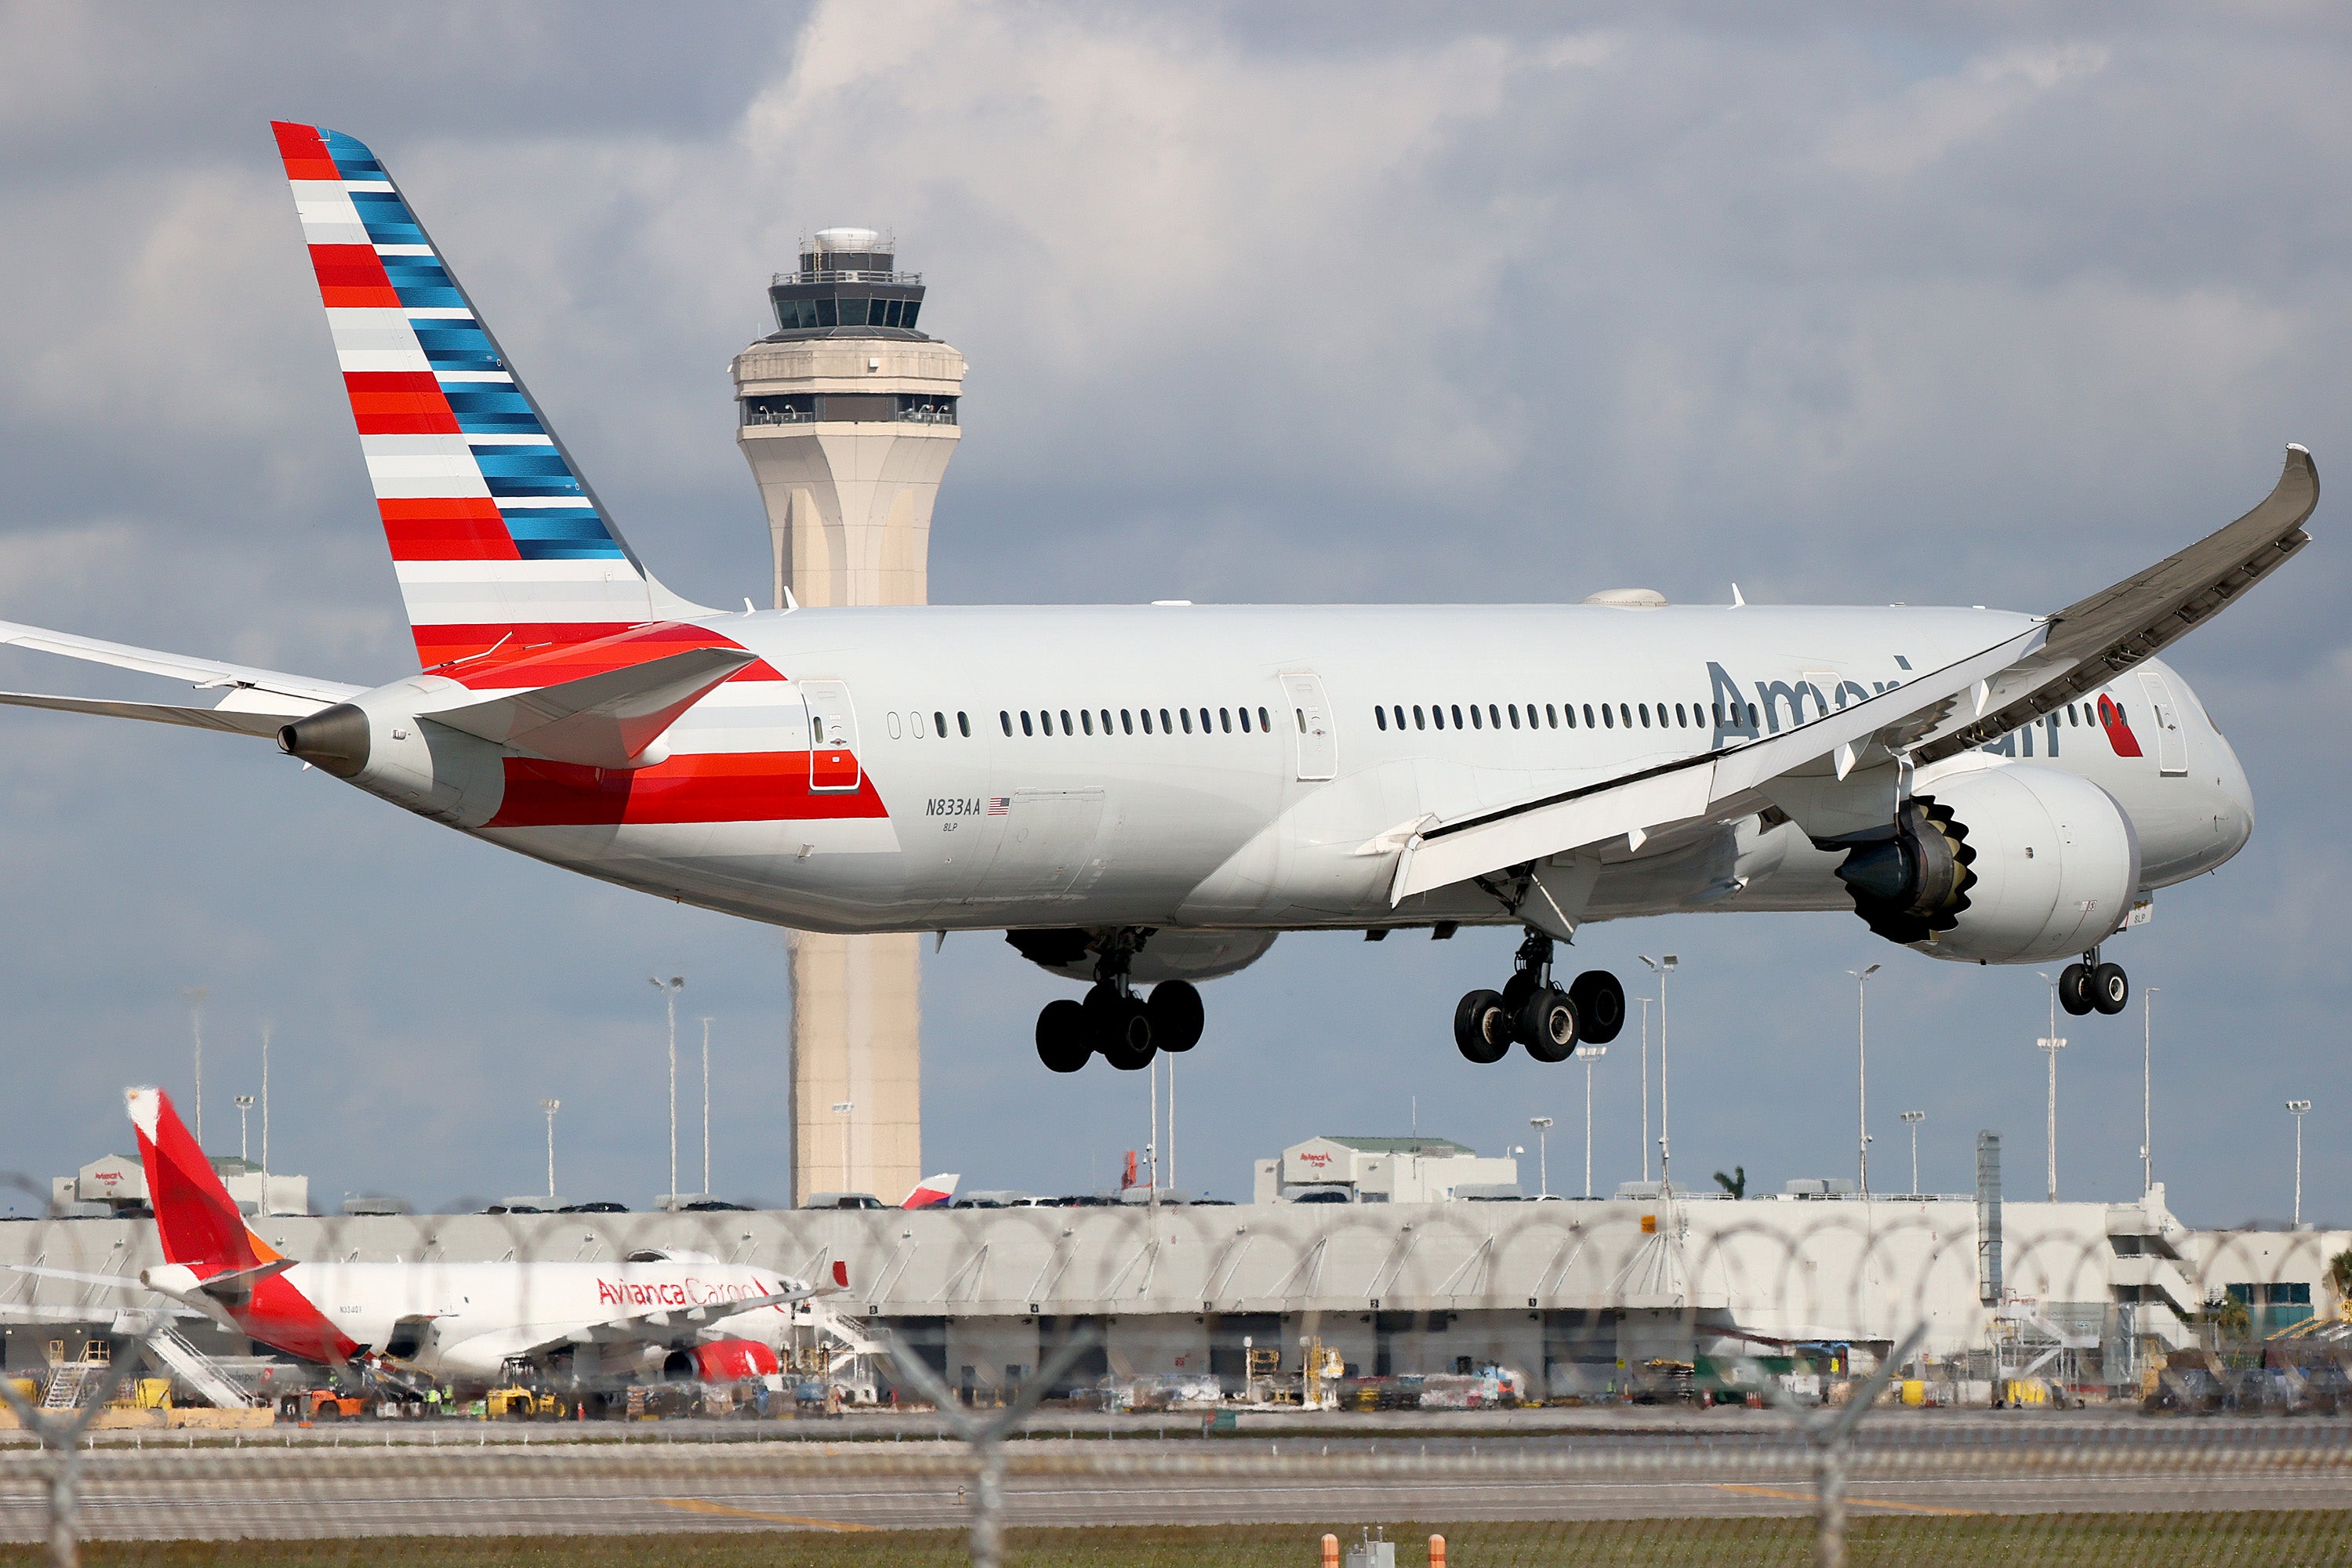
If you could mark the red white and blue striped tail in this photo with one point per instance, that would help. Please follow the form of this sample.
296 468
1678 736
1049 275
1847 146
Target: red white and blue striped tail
499 541
931 1192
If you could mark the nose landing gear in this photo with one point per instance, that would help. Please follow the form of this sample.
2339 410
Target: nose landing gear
1530 1009
2093 986
1125 1029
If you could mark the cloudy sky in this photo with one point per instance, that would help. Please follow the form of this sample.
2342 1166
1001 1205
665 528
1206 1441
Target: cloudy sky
1354 303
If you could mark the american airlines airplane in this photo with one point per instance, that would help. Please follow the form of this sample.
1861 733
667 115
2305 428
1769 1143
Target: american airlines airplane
662 1312
1146 797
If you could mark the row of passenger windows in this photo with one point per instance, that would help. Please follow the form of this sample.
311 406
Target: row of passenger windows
1602 716
1218 721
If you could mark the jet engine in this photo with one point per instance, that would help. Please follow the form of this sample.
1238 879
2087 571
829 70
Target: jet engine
1999 865
721 1360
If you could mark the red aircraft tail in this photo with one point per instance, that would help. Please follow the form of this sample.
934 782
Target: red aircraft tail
196 1217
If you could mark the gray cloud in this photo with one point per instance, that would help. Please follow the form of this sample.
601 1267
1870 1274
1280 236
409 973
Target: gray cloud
1296 304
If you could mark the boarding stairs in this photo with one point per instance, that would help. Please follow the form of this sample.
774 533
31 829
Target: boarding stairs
2030 1334
71 1382
208 1377
851 1336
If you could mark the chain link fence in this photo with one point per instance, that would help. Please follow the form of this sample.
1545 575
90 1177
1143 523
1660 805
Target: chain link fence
1834 1384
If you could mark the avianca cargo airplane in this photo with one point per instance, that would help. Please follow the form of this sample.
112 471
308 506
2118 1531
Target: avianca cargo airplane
1147 795
662 1313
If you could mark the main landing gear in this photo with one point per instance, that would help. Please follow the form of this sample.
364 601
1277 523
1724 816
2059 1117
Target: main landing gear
1550 1022
1125 1029
2092 986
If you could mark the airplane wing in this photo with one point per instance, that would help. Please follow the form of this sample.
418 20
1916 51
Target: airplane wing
660 1324
1943 712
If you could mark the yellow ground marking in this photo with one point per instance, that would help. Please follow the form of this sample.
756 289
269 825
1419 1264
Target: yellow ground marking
1851 1501
701 1505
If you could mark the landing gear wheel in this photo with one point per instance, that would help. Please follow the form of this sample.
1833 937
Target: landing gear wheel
1177 1017
1599 1007
2110 990
1547 1025
1120 1028
1062 1036
1482 1029
2075 988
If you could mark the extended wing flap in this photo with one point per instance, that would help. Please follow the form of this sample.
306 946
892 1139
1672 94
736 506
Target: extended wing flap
600 721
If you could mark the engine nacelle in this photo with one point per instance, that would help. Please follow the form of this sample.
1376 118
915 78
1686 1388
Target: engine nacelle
722 1361
2001 865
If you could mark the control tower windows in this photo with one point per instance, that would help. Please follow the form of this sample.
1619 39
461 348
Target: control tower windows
849 408
787 408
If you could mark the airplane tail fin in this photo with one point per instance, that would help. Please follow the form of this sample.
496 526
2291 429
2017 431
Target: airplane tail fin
932 1192
495 532
198 1220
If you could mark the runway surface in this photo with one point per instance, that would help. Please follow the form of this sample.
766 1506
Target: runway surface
359 1482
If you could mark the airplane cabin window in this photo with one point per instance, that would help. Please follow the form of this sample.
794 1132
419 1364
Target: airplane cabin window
1004 719
1570 708
1167 727
1751 715
1066 722
1416 718
1204 721
1245 723
1147 720
890 722
1264 723
1624 714
1300 715
1224 719
939 725
1127 721
1680 721
1105 720
1476 722
1185 714
1608 716
963 722
1437 716
1086 720
1457 716
1027 728
1513 710
1379 717
1495 719
1646 715
1551 717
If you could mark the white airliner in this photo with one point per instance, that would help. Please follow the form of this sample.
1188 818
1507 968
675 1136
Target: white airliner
1149 794
661 1312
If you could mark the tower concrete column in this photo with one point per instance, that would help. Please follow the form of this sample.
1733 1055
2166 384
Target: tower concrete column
847 417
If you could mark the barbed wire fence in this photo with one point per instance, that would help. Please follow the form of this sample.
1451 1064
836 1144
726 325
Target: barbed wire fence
2227 1448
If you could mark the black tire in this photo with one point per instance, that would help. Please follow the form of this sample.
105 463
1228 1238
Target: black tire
2110 989
1481 1030
1600 1001
1062 1036
328 1410
1177 1017
1547 1025
2075 988
1120 1028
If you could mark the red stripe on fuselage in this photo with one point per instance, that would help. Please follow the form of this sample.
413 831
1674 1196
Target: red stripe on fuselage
712 786
284 1319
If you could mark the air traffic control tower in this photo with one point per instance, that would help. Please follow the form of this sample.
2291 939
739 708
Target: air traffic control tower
848 414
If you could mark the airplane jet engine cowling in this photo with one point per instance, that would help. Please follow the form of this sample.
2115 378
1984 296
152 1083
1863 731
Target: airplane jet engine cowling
2001 865
722 1361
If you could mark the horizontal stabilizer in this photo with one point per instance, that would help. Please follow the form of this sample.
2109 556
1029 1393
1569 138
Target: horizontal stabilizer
204 673
236 721
605 721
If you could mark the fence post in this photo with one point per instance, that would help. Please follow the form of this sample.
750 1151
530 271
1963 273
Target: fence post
985 1437
1832 1435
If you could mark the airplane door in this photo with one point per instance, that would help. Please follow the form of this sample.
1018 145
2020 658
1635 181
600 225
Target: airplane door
832 736
2172 740
1310 715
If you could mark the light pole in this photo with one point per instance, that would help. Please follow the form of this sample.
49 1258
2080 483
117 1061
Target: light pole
1589 1053
195 996
1861 1068
1661 967
1911 1118
669 989
1542 1124
706 1107
244 1104
842 1108
2147 1056
551 1107
2295 1108
265 1119
1646 1088
2051 1046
